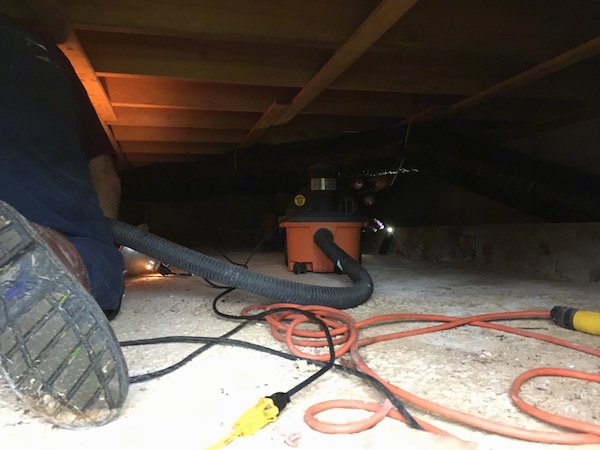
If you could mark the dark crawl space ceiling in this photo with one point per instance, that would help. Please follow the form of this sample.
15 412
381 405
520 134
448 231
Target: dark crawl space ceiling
266 84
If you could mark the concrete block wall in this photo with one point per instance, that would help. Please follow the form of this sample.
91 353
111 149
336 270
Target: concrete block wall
562 251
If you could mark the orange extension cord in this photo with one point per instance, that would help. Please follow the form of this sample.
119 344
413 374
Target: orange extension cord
345 330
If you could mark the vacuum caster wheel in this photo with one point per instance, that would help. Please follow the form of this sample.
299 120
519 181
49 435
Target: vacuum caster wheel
299 267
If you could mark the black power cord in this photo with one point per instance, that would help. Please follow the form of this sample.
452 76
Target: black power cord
311 316
251 346
246 321
225 339
280 399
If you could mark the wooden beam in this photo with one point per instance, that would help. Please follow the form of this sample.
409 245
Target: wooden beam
180 148
309 126
182 118
56 26
283 21
202 60
269 117
143 159
52 18
162 92
187 129
128 91
160 152
511 29
73 50
566 59
387 13
561 121
420 71
122 161
170 134
508 29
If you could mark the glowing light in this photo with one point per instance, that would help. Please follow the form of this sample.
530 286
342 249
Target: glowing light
150 265
390 229
357 183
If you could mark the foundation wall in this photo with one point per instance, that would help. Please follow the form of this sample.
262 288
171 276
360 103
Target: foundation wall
559 251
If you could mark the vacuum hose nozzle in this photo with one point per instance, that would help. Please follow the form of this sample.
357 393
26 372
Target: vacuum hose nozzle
575 319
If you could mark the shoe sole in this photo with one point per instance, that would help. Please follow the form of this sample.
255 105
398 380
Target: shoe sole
58 351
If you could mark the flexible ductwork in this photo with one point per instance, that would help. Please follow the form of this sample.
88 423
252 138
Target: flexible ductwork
549 191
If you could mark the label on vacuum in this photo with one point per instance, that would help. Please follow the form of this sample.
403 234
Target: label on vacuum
323 184
299 200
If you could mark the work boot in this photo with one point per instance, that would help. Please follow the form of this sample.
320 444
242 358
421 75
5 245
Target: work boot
57 349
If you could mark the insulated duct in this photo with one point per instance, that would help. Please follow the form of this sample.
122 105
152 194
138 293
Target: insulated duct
545 189
550 191
259 169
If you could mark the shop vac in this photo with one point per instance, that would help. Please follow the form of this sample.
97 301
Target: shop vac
321 207
320 238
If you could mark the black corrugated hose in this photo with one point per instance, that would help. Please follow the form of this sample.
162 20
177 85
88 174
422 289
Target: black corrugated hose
274 288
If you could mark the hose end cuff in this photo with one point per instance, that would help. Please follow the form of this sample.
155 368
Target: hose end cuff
563 316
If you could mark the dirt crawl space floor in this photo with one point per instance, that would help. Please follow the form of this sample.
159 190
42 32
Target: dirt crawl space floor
469 369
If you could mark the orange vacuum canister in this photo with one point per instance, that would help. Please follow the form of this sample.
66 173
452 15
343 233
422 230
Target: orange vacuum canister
302 253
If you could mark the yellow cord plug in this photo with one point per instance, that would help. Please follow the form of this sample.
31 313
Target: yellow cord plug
257 417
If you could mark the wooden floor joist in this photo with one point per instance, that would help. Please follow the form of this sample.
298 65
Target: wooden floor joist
562 61
562 121
50 15
581 52
73 50
235 73
269 117
379 21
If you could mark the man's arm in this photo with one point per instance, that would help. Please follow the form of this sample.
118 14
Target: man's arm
107 184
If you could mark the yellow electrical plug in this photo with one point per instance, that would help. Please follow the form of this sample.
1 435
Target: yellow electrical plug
257 417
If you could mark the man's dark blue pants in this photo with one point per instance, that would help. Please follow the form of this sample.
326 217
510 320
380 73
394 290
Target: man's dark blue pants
43 168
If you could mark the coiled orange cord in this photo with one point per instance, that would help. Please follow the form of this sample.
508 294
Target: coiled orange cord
345 330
